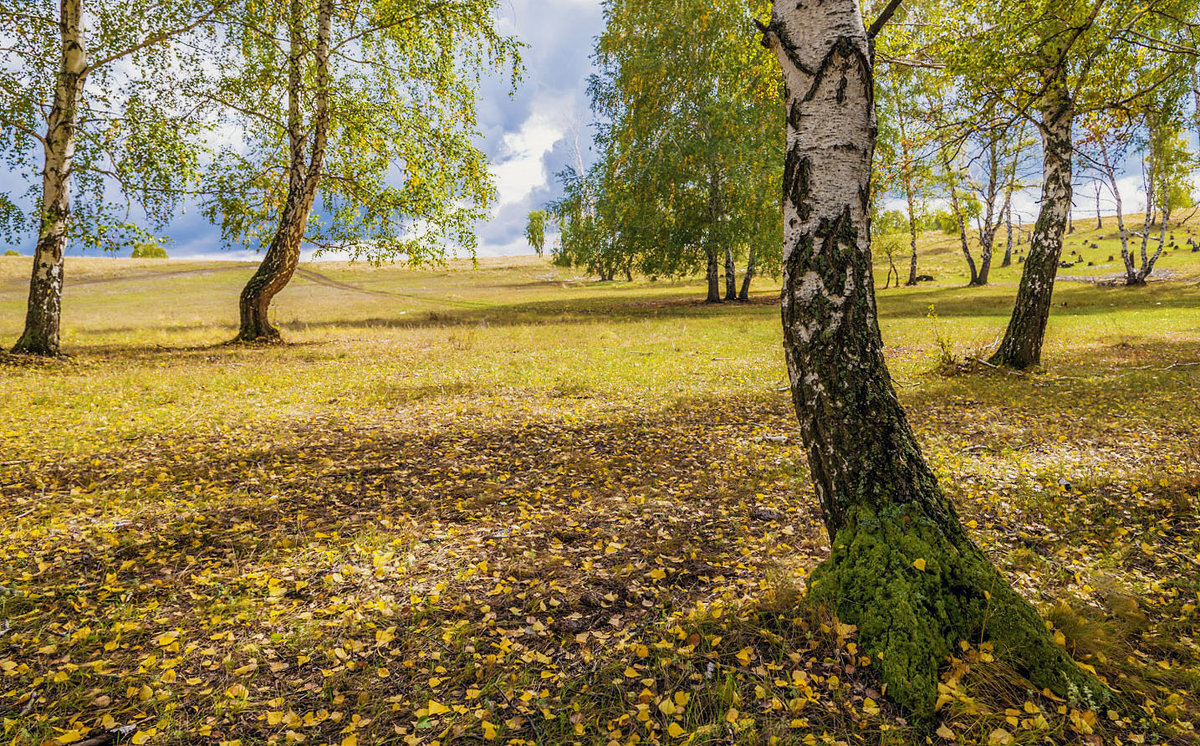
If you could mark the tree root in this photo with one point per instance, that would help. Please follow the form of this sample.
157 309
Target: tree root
914 594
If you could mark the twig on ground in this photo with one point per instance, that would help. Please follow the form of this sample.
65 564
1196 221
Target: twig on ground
27 710
108 737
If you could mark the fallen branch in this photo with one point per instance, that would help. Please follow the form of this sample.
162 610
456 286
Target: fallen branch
108 737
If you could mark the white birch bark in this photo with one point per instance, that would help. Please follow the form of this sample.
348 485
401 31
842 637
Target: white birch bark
43 315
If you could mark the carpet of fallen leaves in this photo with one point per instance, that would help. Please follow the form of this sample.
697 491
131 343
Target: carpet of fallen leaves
571 572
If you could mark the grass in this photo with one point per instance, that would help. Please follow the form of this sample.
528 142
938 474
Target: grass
511 504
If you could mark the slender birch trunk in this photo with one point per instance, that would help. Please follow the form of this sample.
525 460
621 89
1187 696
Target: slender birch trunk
986 241
712 274
44 311
1008 245
730 275
956 207
751 269
715 236
989 223
1022 344
1110 173
1148 263
910 199
902 567
304 177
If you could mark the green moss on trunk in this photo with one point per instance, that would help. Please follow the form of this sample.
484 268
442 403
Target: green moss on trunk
910 619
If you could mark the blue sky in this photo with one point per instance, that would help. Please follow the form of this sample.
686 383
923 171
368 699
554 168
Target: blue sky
529 135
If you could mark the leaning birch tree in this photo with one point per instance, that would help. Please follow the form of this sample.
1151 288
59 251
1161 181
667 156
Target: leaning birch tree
903 568
88 109
359 126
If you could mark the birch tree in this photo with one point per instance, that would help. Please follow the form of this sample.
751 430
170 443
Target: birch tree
369 106
1050 63
694 137
904 165
1166 169
535 230
88 107
903 568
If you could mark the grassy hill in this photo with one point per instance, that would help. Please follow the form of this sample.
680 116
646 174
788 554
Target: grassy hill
511 504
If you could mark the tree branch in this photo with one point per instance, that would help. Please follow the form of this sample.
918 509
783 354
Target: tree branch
5 121
158 38
384 27
884 17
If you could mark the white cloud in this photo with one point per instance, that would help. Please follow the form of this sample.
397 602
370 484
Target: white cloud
521 167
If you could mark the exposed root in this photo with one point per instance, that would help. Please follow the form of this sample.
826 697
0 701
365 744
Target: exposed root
915 594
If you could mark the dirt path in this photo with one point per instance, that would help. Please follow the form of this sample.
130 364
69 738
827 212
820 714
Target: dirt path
329 282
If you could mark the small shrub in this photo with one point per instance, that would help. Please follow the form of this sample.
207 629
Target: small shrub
149 250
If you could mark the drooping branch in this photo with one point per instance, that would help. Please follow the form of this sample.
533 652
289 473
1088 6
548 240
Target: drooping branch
158 38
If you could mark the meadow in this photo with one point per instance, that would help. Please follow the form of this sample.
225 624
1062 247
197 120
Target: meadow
509 504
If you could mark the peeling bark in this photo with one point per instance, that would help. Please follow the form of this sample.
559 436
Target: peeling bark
879 499
44 312
304 177
1022 344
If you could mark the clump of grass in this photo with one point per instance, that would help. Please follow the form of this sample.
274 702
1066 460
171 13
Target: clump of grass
946 361
570 387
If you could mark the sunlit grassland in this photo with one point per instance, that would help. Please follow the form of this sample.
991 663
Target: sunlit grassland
548 504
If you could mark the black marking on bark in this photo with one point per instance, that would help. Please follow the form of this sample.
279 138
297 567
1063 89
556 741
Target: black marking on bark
776 29
797 181
844 48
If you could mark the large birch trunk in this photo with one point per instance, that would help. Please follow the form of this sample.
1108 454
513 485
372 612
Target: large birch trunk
880 501
44 311
304 176
1022 344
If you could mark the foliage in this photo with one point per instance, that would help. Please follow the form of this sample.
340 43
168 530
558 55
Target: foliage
906 138
889 223
535 230
11 252
149 250
690 142
138 147
403 175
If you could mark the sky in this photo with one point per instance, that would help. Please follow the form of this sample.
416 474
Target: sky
532 133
